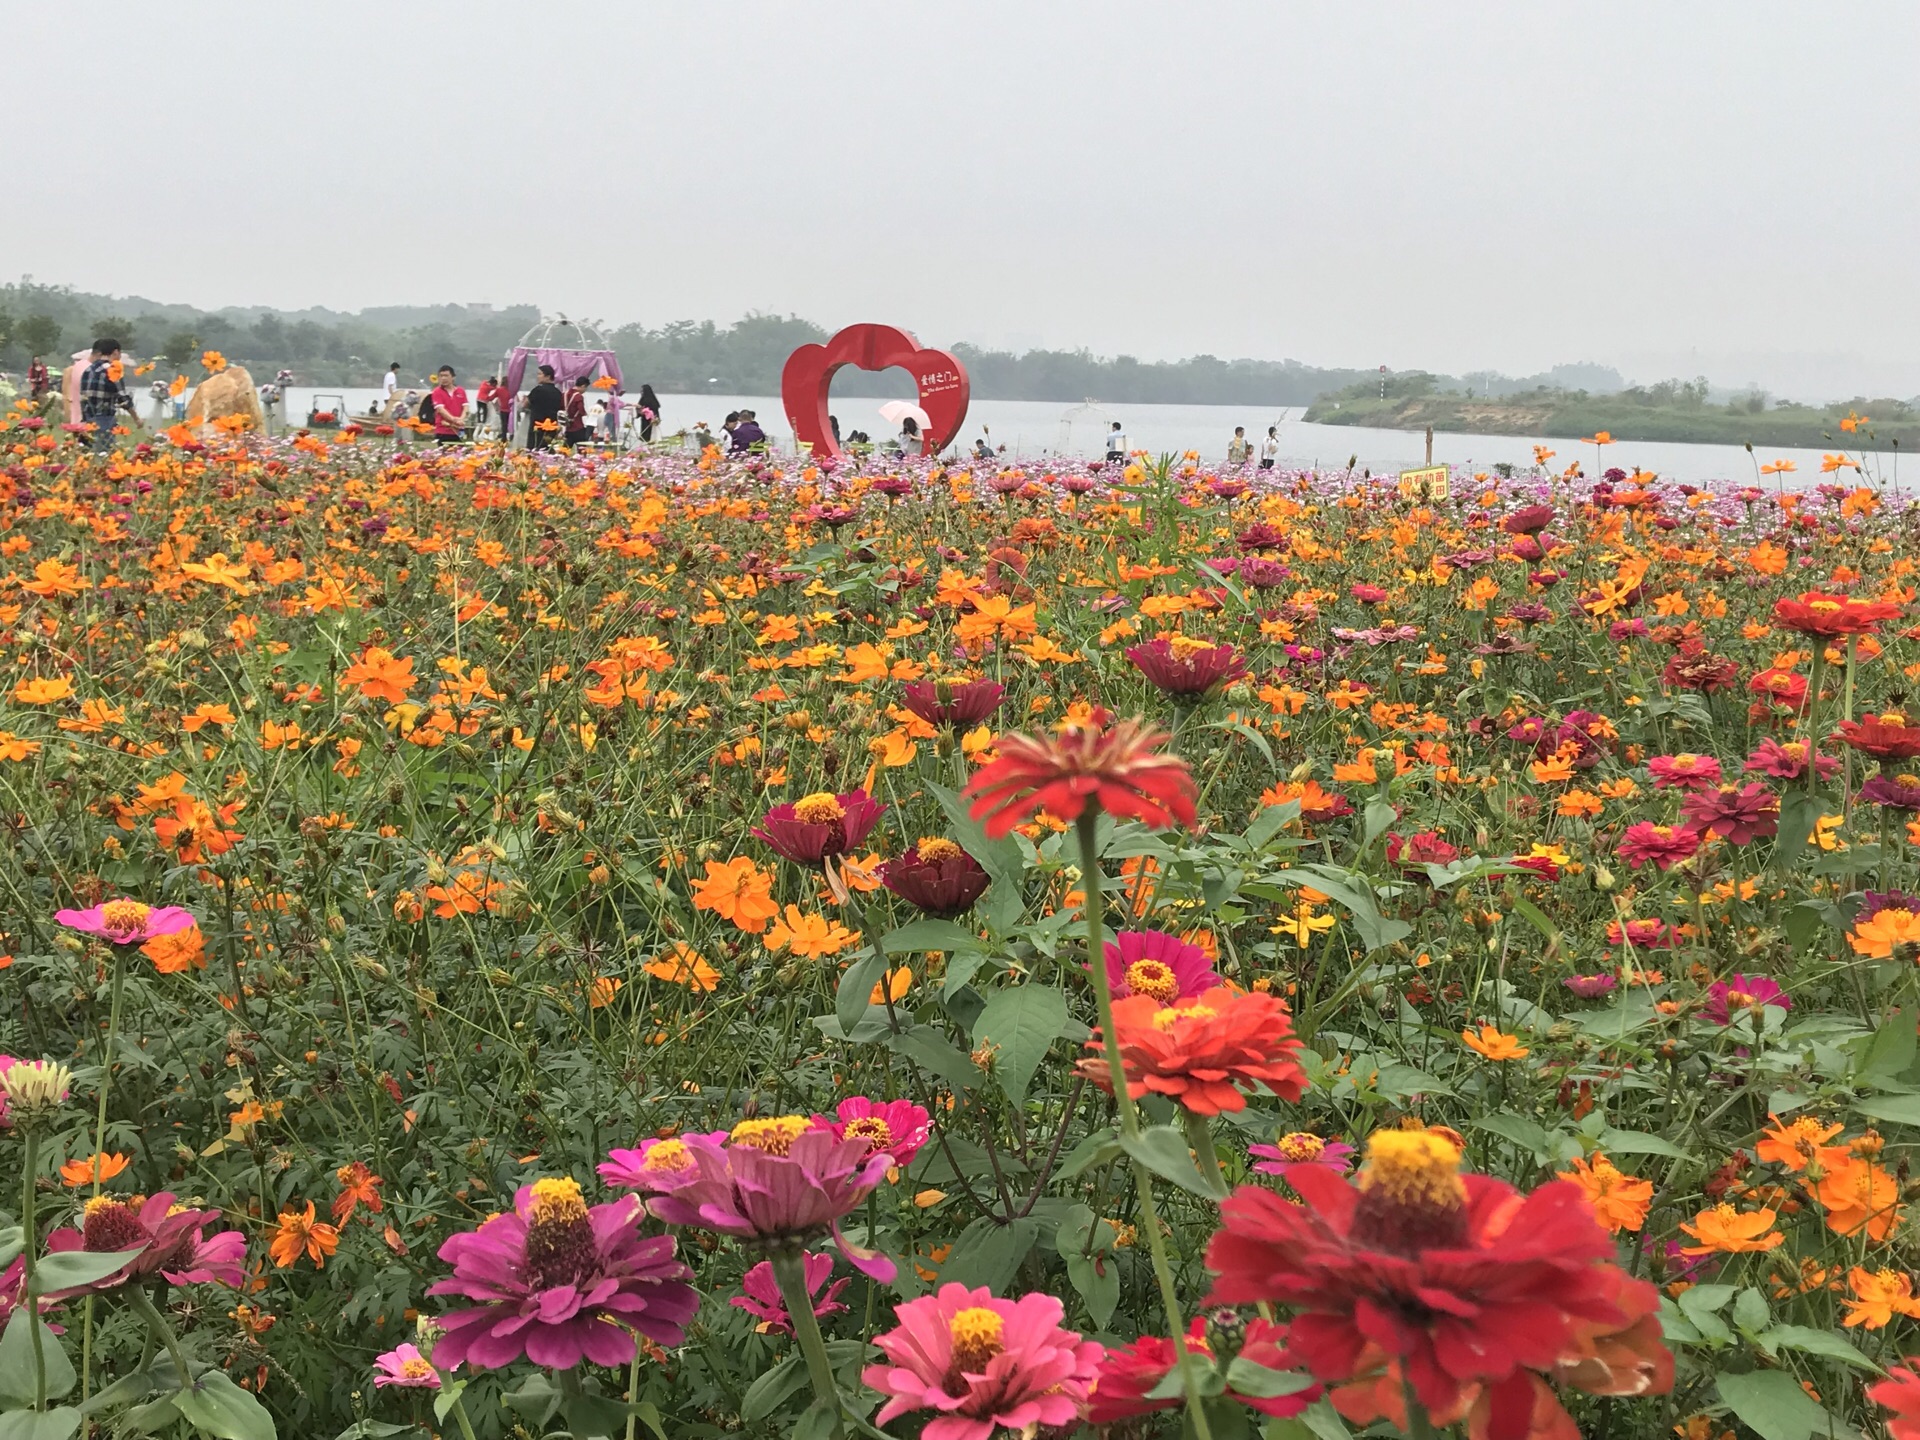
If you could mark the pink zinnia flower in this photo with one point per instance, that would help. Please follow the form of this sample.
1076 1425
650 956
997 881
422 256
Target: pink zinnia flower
655 1165
983 1364
127 922
1152 962
953 703
1788 761
1728 1000
1736 814
1589 987
1684 772
406 1367
776 1182
813 827
559 1282
1664 845
762 1297
1183 666
1301 1148
898 1127
167 1236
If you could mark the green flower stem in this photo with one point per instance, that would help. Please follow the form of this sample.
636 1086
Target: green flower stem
1200 1138
142 1305
1418 1425
31 1163
790 1271
633 1393
466 1425
99 1147
1090 882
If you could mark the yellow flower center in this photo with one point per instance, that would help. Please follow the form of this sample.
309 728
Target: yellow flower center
936 848
1183 646
1301 1145
669 1156
771 1137
1740 1000
1166 1019
976 1333
124 919
1907 782
820 808
416 1368
873 1129
556 1202
1152 977
1411 1195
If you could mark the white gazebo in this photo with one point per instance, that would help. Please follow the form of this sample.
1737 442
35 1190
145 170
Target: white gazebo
1084 429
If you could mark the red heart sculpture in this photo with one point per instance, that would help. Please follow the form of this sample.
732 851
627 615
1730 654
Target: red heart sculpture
809 372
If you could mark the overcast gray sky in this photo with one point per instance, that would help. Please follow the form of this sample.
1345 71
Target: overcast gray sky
1717 186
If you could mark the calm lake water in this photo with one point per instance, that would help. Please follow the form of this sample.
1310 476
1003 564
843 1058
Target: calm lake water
1034 429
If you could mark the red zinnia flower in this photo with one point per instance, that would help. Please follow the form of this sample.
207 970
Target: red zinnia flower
942 702
1900 1394
1664 845
1129 1375
1737 814
1817 613
1885 737
938 876
816 826
1469 1290
1182 665
1528 520
1425 847
1118 770
1204 1051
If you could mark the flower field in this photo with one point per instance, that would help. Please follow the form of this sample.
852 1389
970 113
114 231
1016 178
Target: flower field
502 944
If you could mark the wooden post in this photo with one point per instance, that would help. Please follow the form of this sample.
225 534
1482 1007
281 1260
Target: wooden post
1429 445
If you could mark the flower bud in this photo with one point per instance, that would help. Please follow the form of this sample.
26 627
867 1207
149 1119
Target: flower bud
1602 878
35 1087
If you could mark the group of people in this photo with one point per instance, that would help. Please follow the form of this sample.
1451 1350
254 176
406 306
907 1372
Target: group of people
554 415
1240 449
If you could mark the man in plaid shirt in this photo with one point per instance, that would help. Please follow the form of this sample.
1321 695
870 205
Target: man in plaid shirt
101 398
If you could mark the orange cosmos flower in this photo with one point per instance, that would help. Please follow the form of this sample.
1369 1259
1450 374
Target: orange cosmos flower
358 1186
1878 1296
739 892
101 1168
1794 1143
182 950
1858 1195
1879 936
1619 1200
1203 1051
1495 1044
1721 1229
810 935
380 674
299 1231
683 965
43 692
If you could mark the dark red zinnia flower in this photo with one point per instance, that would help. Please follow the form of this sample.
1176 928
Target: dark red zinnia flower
937 876
1885 737
816 826
1474 1294
1528 520
1182 665
1119 770
947 702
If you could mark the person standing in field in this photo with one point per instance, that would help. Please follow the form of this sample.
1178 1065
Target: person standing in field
545 404
578 432
1237 448
101 398
1270 448
649 413
1116 443
389 383
449 407
38 380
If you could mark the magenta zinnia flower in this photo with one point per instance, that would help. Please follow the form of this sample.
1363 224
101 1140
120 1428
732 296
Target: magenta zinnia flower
1684 772
1301 1148
1901 792
775 1183
983 1364
1788 761
1183 666
560 1283
1738 995
1664 845
405 1367
816 826
762 1293
1737 814
1590 987
655 1165
1152 962
127 922
937 876
945 702
898 1127
167 1236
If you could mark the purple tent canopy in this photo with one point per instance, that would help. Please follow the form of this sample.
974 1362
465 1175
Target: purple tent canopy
589 357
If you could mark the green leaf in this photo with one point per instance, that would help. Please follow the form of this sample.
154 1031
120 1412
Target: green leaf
69 1269
536 1398
1522 1131
60 1423
1750 1311
1097 1279
215 1406
768 1393
928 934
446 1398
1890 1049
1829 1343
1635 1142
1271 821
988 1253
1322 1419
1164 1151
1246 1378
850 1001
1799 813
12 1242
1534 916
593 1415
928 1048
1771 1403
17 1383
1378 815
1098 1148
1022 1021
999 858
1896 1109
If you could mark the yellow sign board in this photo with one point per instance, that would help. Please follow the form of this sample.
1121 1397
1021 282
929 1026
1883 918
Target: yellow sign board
1430 482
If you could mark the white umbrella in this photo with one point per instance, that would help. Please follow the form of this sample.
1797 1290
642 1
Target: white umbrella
894 411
